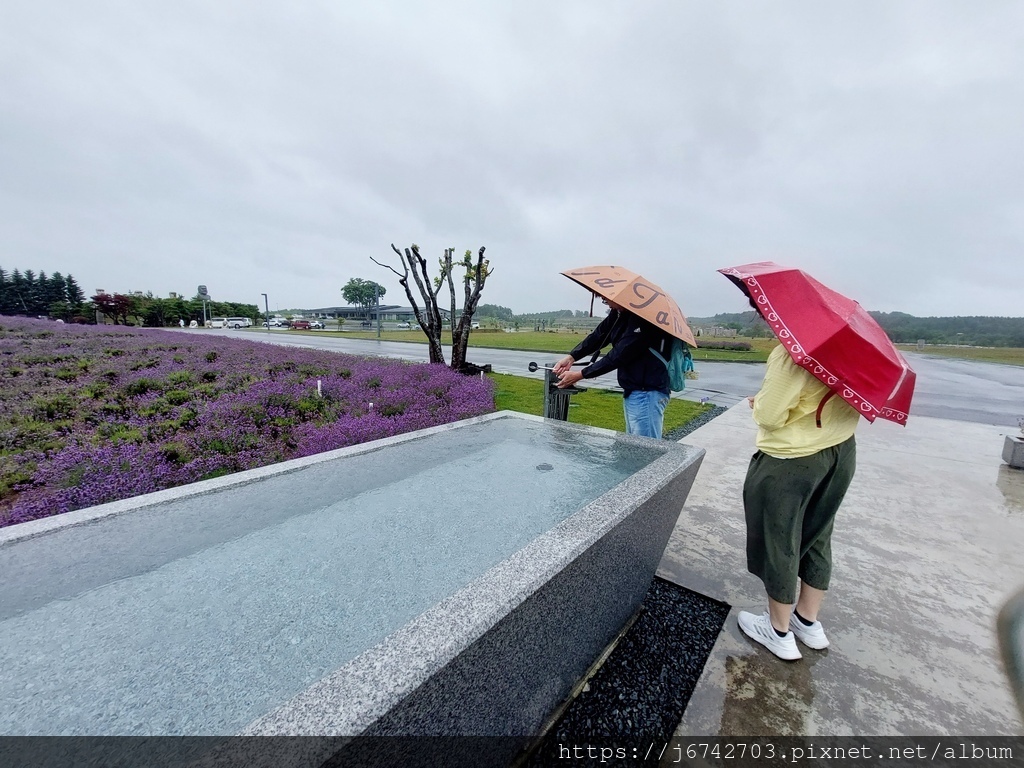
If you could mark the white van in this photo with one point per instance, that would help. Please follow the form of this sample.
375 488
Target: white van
216 322
237 322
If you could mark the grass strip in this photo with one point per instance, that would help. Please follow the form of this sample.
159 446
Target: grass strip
595 407
1005 355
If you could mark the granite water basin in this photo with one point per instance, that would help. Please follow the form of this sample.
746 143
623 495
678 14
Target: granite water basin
457 580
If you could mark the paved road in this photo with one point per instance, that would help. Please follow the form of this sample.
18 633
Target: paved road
964 390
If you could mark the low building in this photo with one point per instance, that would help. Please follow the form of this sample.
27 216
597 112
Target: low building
389 313
715 330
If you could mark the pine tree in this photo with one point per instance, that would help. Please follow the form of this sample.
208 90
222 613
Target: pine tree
39 305
17 287
28 292
56 289
6 295
74 294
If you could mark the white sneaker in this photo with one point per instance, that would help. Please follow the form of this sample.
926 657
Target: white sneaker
812 636
760 630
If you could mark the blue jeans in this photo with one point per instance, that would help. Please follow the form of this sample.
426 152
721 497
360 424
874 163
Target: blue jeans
645 412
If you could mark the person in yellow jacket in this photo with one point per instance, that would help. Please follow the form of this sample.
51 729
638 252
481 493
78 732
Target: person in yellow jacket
806 457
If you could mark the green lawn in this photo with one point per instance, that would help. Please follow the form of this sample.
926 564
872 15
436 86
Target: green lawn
595 407
1007 355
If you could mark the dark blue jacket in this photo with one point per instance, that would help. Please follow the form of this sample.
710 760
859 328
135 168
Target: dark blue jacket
631 338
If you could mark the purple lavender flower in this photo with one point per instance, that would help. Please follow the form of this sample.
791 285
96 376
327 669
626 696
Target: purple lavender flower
92 414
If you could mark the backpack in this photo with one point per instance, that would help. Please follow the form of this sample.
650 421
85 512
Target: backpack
679 364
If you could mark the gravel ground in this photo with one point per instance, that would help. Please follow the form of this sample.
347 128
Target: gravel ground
678 434
640 693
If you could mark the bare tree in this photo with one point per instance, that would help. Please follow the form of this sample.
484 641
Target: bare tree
474 276
429 316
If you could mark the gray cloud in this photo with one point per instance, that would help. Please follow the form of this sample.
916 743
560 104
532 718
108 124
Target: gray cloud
275 147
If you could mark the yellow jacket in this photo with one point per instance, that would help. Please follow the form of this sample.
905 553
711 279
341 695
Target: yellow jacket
785 411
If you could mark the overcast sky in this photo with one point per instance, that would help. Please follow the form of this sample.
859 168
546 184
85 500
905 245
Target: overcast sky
274 147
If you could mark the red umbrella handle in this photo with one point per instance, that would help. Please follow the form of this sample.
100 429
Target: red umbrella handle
821 405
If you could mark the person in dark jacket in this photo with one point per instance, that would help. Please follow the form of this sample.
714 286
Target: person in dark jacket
642 376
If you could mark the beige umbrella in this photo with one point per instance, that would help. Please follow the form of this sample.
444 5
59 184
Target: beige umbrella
636 294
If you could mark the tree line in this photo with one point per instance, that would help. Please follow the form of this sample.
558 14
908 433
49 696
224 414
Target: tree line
59 297
31 294
975 331
902 328
154 312
38 294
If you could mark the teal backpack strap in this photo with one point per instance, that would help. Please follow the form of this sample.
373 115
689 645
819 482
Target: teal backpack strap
657 354
675 363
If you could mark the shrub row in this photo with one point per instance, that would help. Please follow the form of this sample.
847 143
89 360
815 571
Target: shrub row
734 346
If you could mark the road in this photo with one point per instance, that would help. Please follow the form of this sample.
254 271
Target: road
963 390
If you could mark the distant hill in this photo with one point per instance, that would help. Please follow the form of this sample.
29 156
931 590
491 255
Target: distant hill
902 328
976 331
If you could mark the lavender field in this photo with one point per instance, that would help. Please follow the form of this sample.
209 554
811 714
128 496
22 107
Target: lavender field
96 414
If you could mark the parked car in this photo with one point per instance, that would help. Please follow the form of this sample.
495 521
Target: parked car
237 322
316 324
300 325
474 326
404 326
275 322
367 324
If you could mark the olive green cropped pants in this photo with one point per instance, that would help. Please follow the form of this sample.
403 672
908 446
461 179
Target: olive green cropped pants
790 506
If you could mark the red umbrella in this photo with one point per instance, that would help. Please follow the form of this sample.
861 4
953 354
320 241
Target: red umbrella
832 337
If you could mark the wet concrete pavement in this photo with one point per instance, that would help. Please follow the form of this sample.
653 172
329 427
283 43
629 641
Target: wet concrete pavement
926 549
967 390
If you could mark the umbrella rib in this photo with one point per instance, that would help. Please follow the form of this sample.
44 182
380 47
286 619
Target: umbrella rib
899 382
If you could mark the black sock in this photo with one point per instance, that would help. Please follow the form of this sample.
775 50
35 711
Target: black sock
801 619
780 634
